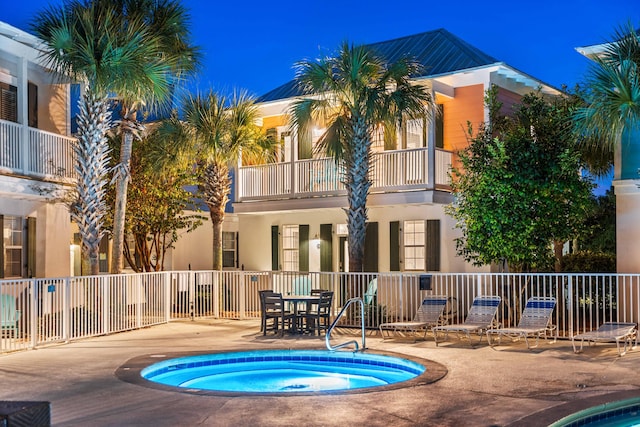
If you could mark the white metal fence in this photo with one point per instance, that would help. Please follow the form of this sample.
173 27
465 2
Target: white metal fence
34 312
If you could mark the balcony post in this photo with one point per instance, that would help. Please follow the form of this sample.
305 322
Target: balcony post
23 113
431 150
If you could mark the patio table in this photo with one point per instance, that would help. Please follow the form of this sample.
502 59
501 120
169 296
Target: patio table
308 300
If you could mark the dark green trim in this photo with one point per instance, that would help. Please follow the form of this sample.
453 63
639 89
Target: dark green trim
303 248
433 245
31 247
275 260
440 126
326 247
371 247
394 246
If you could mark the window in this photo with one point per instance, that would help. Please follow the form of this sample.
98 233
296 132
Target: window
8 102
415 133
13 242
290 247
229 253
414 245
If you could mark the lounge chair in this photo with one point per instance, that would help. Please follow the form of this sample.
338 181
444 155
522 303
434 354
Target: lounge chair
535 321
481 317
429 314
609 332
9 315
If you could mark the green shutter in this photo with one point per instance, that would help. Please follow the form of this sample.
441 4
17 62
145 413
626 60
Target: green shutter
305 149
433 245
371 247
31 247
394 246
326 247
32 89
275 262
303 248
440 126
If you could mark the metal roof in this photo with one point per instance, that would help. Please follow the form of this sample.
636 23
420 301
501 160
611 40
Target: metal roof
439 52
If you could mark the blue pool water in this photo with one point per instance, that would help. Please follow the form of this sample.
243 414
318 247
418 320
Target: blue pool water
623 413
282 371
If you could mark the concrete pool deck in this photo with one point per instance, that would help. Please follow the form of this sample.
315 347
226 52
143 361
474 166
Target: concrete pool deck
501 386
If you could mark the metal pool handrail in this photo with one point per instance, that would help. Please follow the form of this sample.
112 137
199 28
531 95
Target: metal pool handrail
327 336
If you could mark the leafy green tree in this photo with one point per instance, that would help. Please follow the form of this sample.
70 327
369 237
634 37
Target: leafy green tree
157 200
598 235
519 188
214 133
352 94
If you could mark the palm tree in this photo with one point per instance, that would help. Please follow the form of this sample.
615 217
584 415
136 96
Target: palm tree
83 40
170 57
612 113
352 94
214 133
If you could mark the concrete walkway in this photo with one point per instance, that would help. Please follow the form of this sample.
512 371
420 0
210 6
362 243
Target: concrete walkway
501 386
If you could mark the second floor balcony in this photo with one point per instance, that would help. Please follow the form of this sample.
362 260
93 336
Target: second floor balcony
391 171
35 153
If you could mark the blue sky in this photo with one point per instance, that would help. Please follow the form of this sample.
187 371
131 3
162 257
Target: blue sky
253 45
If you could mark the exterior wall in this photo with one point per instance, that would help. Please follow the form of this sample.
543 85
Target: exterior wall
508 99
53 234
195 250
627 229
53 237
53 101
255 235
466 106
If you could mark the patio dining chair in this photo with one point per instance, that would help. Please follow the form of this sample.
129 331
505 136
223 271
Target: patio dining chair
9 315
429 314
481 317
275 312
534 322
318 318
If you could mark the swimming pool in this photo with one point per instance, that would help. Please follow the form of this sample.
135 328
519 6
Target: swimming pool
282 371
622 413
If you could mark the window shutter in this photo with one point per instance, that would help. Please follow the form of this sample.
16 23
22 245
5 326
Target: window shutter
440 126
274 248
305 149
303 255
371 247
8 102
238 250
33 105
394 246
31 247
433 245
326 247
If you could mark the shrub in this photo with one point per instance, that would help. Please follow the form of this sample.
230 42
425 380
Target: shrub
589 262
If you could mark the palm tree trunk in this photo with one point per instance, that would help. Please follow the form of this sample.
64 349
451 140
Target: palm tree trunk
92 156
216 187
357 184
122 183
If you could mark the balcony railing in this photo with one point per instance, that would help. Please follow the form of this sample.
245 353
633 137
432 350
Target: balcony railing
398 170
45 154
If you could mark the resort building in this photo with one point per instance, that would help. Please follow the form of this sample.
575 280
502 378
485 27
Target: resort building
289 215
36 166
